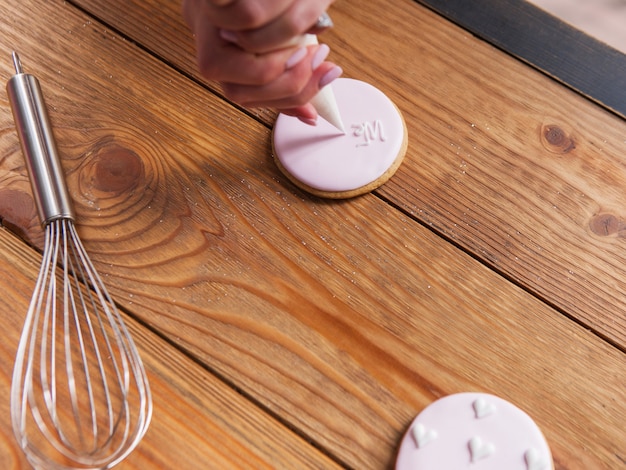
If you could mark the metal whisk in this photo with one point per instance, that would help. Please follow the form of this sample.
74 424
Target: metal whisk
80 397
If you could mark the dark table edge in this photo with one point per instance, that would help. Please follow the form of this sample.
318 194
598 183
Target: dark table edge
577 60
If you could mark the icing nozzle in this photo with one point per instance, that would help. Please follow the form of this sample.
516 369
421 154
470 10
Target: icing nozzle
326 105
325 102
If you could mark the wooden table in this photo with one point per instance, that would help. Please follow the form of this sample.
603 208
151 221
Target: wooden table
284 331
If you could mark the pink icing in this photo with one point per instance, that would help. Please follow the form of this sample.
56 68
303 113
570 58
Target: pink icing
324 158
475 431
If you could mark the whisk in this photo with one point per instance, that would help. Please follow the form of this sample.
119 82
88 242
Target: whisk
80 397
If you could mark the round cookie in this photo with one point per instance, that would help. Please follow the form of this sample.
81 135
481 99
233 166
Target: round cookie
477 431
326 162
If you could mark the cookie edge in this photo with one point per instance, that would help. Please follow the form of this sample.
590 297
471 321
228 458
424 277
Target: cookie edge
350 193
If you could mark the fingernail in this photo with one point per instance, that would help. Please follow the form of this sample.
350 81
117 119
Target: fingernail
296 58
309 121
319 56
331 75
229 36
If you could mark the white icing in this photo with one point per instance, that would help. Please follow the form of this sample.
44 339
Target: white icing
505 438
480 449
327 160
483 408
369 131
534 460
422 435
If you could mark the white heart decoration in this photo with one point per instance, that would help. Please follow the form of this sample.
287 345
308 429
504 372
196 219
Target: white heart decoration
422 435
534 461
482 408
479 449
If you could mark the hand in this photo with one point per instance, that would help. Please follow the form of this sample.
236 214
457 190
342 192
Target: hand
248 46
256 25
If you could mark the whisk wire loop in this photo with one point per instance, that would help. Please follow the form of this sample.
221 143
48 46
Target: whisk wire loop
87 403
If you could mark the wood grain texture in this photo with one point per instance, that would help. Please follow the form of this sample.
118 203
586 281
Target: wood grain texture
519 171
542 40
343 318
199 422
522 173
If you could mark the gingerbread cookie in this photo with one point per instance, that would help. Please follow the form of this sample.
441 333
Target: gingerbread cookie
473 431
334 164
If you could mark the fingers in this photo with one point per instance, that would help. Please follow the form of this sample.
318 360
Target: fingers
258 62
240 15
257 25
290 92
221 3
225 62
298 19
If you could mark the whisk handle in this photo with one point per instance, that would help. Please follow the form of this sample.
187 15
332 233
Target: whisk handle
38 146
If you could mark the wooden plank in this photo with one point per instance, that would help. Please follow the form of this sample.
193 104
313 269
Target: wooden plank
343 318
542 40
479 144
520 172
197 418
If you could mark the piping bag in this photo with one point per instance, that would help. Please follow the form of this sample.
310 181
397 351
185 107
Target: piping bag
325 102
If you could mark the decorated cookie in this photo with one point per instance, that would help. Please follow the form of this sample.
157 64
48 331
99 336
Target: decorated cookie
473 431
330 163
